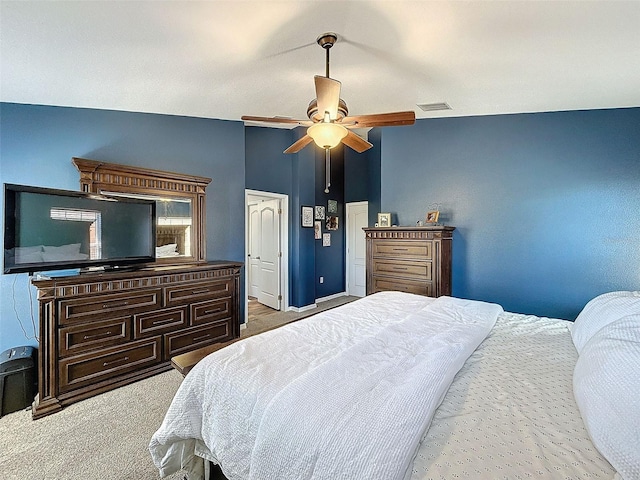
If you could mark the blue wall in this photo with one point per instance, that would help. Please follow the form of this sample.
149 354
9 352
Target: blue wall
330 261
302 251
36 146
267 168
301 176
546 206
356 175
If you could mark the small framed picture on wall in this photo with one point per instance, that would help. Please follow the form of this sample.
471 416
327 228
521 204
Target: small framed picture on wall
307 216
332 223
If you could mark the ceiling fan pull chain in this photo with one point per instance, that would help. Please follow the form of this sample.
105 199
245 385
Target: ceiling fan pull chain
327 166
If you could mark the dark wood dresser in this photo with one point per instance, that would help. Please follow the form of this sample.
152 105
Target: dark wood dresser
99 331
409 259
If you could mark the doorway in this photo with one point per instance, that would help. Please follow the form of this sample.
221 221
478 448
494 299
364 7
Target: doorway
357 217
266 227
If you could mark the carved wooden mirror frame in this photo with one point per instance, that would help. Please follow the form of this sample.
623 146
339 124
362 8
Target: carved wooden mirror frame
99 177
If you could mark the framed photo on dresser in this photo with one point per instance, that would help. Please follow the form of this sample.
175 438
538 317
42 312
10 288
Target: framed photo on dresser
432 216
384 219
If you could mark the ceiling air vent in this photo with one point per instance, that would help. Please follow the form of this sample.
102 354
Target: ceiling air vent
434 107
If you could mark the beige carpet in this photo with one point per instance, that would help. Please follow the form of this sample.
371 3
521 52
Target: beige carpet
104 437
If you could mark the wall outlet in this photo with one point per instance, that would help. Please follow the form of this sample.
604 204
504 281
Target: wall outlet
321 279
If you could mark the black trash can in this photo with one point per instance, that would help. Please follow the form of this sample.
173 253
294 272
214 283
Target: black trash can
18 379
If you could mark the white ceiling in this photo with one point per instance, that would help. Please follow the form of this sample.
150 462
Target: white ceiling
224 59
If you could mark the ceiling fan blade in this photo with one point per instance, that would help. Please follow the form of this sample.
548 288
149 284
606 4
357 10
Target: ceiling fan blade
299 145
328 96
380 119
355 142
249 118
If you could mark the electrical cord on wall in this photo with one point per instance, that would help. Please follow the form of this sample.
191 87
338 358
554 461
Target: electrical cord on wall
15 309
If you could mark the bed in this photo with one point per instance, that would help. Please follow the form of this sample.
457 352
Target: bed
400 386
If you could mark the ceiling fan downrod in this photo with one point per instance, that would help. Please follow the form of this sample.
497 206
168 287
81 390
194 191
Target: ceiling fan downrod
326 41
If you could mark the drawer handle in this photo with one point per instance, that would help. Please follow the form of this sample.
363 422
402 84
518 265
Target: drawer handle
400 249
400 268
209 312
196 292
97 335
202 337
111 305
160 322
120 360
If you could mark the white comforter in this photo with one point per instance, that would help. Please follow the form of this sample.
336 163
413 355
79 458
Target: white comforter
345 394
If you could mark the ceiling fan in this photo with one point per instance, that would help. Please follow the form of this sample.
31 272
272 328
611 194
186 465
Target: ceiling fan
329 121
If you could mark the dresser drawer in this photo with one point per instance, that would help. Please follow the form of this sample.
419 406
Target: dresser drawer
403 249
101 307
400 285
94 335
90 368
160 321
413 270
196 337
193 292
208 312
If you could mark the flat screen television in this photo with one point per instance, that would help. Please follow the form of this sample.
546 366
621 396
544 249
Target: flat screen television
47 229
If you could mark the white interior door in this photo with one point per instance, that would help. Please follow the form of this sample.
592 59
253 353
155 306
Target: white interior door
269 261
255 235
357 218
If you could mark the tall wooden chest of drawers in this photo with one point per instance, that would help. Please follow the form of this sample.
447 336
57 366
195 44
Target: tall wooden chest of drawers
99 331
409 259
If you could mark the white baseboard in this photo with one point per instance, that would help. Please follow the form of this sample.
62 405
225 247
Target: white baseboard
318 300
331 297
302 309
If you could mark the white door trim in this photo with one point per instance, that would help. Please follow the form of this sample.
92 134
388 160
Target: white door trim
284 243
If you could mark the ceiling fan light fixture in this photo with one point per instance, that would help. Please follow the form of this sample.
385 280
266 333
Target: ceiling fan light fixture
329 123
327 135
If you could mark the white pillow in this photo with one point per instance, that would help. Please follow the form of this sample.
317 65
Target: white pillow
62 253
606 386
601 311
168 250
71 248
28 254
